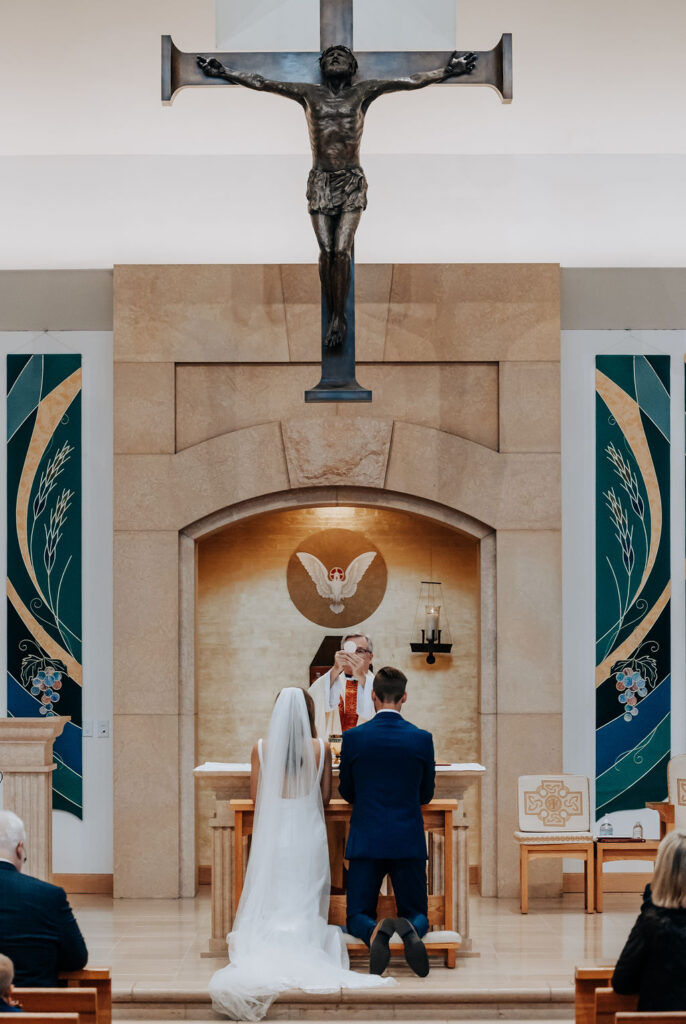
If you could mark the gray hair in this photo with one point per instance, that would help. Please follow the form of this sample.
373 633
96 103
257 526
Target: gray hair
6 974
668 887
352 636
12 832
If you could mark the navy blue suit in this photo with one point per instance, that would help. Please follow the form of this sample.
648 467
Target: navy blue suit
387 772
38 931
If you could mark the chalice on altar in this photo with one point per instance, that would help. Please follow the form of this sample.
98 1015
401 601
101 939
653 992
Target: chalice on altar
335 741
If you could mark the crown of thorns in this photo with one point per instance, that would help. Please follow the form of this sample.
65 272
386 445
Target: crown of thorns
342 49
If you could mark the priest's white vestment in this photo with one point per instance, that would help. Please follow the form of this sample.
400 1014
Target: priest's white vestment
326 701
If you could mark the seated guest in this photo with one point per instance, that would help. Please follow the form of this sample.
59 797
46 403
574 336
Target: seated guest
8 1004
37 928
653 961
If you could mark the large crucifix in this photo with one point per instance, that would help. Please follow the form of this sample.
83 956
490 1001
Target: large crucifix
335 91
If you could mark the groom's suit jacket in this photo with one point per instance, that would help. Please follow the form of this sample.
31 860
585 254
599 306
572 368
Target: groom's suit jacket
387 772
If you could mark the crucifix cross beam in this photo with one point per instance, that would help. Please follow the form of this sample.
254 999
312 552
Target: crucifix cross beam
335 107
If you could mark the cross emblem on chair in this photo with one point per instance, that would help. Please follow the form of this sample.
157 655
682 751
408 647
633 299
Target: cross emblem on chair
553 803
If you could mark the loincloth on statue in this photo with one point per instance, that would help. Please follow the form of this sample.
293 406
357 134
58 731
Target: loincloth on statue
334 192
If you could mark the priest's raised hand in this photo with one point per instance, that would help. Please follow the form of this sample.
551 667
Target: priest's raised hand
343 695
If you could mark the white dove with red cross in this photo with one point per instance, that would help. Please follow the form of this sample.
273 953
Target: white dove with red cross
335 585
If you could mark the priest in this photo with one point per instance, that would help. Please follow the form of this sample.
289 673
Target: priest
343 695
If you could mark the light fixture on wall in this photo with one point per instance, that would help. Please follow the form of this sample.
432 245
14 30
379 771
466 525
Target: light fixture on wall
430 633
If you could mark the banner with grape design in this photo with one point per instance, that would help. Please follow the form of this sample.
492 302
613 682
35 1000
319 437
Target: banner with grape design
632 581
44 555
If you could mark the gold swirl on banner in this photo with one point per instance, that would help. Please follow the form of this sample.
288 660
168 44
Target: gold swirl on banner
627 415
50 412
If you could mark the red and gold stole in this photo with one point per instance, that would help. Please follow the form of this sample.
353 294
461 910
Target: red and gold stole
347 708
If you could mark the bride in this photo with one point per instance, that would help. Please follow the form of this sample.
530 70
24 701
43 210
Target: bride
281 939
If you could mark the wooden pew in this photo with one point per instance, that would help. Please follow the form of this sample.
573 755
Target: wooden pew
44 1018
652 1017
99 979
586 981
608 1003
81 1001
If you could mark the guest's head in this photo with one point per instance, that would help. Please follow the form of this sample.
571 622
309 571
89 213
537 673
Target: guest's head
309 704
389 688
12 839
6 977
668 887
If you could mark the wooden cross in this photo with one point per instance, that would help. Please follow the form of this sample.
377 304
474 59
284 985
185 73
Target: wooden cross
493 68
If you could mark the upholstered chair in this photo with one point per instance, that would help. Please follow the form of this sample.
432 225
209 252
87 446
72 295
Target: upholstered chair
554 821
676 781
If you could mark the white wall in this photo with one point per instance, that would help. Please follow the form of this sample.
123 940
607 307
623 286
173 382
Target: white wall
294 24
579 349
88 212
585 167
589 78
82 846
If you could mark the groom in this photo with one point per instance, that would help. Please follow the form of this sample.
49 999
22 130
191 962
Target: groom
387 773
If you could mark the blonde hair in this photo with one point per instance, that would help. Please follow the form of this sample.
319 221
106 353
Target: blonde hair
668 888
6 974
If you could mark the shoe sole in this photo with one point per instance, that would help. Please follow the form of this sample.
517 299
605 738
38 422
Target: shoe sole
415 950
379 953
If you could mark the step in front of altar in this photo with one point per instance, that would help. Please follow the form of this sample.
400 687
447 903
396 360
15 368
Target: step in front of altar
436 998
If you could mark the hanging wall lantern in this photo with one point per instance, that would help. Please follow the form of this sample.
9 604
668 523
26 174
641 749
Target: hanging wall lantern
430 633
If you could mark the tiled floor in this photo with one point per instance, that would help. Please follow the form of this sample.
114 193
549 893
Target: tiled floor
156 944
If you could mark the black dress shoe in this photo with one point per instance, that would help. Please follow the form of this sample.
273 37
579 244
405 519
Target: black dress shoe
415 950
379 953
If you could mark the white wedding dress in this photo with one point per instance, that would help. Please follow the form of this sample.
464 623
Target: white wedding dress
281 939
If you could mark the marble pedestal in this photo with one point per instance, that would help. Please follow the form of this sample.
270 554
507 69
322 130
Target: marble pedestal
27 766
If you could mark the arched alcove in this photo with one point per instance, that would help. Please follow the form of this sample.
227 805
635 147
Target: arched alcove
251 638
469 534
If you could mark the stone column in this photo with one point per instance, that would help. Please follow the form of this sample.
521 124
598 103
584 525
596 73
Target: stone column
461 879
222 878
27 766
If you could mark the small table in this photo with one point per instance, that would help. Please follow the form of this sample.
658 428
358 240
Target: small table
627 849
666 812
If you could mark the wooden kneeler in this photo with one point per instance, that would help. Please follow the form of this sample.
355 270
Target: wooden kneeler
586 981
608 1003
43 1018
99 979
652 1017
80 1001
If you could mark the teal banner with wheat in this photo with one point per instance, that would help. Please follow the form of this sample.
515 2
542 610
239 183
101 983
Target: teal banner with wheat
633 658
44 555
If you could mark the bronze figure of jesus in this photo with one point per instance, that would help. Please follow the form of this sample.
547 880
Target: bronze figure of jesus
337 187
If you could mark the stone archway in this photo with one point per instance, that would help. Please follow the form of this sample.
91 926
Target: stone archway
322 498
464 428
155 593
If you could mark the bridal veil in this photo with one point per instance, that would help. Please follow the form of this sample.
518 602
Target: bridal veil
281 939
